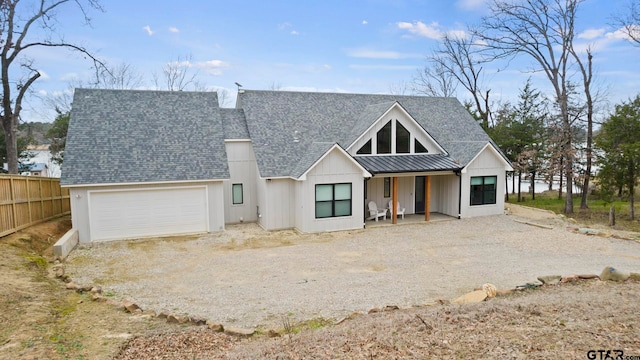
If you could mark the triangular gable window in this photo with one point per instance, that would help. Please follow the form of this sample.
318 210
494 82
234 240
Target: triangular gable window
419 148
365 149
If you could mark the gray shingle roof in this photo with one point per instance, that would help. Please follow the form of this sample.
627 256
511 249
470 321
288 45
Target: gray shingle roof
276 118
234 124
407 163
130 136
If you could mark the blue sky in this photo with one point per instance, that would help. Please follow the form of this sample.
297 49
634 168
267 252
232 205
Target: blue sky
361 46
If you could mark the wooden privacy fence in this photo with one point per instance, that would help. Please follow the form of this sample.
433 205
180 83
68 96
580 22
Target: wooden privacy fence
27 200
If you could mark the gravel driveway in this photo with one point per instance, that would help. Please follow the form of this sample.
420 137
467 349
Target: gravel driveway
247 277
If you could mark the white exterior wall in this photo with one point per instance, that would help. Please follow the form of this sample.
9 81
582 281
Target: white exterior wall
487 163
80 202
278 209
406 193
242 170
334 168
444 194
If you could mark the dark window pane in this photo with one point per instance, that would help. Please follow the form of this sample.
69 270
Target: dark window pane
483 190
365 149
384 139
236 191
324 209
343 208
333 200
402 139
419 148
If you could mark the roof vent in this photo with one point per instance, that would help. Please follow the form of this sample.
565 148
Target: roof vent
296 136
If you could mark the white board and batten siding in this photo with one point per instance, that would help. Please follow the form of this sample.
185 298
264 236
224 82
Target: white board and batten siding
277 203
334 168
406 191
242 170
444 194
136 211
487 163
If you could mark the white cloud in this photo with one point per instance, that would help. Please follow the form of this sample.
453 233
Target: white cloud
591 34
285 26
364 22
623 34
294 32
174 29
319 68
419 28
212 67
379 54
44 75
147 28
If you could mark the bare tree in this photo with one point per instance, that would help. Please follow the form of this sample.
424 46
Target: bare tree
629 22
459 59
434 80
122 76
400 88
17 18
178 75
543 30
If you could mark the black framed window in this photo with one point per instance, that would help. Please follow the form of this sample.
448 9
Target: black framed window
419 148
402 139
333 200
383 138
483 190
387 187
236 194
365 149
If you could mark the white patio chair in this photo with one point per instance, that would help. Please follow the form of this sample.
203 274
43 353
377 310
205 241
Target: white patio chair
374 213
399 210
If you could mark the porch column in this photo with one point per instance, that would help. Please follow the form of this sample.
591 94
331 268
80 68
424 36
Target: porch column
427 198
394 201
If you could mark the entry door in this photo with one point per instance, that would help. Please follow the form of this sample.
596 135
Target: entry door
420 194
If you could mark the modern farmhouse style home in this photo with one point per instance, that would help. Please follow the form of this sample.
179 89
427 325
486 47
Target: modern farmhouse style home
154 163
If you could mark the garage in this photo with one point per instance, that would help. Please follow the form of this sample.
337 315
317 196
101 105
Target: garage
135 213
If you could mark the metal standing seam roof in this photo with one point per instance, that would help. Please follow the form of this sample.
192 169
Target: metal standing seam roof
407 163
132 136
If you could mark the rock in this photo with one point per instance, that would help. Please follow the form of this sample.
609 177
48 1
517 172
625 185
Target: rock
373 311
80 301
504 292
96 290
550 279
151 313
489 289
98 298
634 276
58 271
390 308
569 278
130 306
198 321
239 332
472 297
173 319
71 286
137 311
588 276
588 231
613 274
163 314
215 326
273 334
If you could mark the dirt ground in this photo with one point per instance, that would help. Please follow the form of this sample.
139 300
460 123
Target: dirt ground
40 319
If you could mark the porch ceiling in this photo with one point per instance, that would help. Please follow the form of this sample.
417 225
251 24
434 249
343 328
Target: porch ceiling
378 164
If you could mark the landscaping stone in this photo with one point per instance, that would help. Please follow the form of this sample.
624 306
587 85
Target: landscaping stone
96 290
390 308
173 319
215 326
550 279
239 332
198 321
490 290
569 278
163 315
71 286
472 297
130 306
588 276
613 274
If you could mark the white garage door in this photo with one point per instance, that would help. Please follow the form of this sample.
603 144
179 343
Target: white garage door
147 212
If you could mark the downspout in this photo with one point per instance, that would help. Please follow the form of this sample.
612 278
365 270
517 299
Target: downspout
459 194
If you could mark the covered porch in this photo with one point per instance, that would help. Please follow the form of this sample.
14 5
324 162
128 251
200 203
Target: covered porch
409 219
425 187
